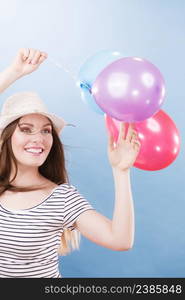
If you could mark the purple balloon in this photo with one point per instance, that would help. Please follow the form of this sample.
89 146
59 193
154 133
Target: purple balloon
130 89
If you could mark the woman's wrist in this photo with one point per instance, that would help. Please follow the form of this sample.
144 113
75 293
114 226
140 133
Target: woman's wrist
117 170
12 73
7 77
117 173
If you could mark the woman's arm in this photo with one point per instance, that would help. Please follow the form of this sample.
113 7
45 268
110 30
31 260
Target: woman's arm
25 62
118 233
7 77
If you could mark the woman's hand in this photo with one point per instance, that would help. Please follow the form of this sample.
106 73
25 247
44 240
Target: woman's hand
123 155
27 60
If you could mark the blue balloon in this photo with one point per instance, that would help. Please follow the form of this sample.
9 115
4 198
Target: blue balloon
95 64
89 99
89 72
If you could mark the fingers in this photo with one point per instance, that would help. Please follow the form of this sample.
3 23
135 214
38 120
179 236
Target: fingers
136 144
110 141
44 54
131 133
121 132
42 57
134 140
132 137
32 56
39 57
23 53
35 56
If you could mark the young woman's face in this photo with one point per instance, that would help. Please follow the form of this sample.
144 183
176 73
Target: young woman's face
32 140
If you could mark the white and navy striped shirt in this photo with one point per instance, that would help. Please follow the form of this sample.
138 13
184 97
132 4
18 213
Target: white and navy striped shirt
29 238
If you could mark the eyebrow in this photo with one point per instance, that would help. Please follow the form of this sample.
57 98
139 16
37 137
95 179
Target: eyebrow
33 125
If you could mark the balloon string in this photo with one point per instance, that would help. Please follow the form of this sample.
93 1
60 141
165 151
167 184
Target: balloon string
60 66
72 75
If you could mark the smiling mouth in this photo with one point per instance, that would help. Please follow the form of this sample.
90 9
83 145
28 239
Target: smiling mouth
34 151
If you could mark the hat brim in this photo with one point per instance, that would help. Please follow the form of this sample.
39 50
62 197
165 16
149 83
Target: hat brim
58 122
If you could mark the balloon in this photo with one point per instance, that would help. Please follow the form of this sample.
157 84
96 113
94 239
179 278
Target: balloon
95 64
90 70
159 138
89 100
130 89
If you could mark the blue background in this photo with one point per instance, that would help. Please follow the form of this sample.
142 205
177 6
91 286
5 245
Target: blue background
70 31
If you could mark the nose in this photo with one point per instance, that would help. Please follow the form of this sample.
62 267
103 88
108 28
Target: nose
37 136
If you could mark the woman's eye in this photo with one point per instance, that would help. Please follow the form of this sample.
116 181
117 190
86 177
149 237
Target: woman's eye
28 130
47 131
25 129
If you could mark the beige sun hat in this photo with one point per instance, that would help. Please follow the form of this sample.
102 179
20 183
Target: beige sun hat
24 103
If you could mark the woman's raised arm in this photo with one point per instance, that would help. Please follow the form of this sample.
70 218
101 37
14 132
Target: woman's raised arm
118 233
26 61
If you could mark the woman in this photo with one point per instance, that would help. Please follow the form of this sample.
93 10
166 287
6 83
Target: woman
41 214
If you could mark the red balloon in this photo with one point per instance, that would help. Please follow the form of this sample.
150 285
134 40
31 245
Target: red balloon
159 138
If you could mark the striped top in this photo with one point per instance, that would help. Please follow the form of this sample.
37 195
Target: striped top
29 238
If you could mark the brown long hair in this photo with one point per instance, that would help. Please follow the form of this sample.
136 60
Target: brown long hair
54 169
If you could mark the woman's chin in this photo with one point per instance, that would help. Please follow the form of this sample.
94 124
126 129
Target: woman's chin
31 163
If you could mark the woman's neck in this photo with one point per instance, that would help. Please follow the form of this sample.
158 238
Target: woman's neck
27 177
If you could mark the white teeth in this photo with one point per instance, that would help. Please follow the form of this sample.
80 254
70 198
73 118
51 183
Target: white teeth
34 150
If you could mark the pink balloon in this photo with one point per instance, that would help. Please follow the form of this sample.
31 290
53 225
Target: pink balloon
130 89
159 138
